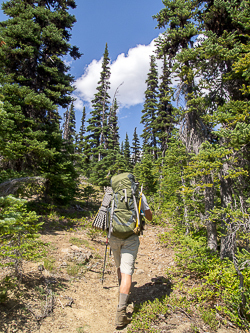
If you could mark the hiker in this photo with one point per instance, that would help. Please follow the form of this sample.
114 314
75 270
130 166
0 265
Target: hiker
125 252
120 215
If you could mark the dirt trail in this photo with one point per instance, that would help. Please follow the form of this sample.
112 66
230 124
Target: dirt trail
95 303
83 303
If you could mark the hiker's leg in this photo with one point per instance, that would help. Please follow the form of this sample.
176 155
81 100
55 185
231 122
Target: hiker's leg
129 251
125 283
116 244
128 255
121 316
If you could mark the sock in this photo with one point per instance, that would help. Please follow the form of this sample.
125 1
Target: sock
123 300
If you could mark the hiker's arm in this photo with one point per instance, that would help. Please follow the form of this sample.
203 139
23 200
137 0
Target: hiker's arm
145 208
148 215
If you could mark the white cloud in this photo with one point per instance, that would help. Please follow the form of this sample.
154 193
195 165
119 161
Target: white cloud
67 63
78 103
129 70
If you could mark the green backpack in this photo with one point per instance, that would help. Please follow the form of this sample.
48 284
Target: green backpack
123 211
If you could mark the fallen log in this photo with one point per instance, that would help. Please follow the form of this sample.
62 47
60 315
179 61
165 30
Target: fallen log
14 185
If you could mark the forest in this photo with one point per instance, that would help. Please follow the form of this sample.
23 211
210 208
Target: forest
194 160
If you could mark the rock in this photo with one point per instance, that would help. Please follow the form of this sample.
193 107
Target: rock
74 248
64 264
65 250
78 255
140 271
40 268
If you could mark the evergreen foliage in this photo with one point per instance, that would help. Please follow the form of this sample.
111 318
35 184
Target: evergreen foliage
18 233
135 148
150 110
98 122
195 163
34 82
80 137
126 151
113 134
164 121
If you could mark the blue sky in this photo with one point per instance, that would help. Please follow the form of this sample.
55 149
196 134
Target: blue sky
129 30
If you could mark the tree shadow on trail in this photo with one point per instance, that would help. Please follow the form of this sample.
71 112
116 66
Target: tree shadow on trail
34 294
157 288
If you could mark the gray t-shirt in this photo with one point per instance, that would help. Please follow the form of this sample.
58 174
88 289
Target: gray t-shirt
144 204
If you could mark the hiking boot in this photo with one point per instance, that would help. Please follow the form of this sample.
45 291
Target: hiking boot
121 317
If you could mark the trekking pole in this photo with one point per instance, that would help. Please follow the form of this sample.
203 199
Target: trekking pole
107 242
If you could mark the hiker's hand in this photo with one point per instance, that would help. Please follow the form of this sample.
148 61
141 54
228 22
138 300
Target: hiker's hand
148 215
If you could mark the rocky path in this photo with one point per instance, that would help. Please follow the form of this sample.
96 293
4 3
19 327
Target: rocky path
94 305
82 303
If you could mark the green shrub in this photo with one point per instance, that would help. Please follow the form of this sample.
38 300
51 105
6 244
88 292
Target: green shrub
18 233
221 283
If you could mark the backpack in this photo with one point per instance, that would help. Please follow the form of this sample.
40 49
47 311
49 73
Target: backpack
119 213
123 211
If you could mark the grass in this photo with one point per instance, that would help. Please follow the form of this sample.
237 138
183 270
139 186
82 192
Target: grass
73 270
78 242
49 264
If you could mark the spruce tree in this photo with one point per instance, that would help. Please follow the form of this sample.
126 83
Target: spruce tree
98 122
35 82
113 134
135 148
72 125
81 134
65 126
164 121
213 93
150 109
122 148
127 151
69 126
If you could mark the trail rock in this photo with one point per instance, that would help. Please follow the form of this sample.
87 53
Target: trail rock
77 254
140 271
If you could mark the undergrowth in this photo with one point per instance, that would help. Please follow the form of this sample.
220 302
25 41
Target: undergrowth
204 286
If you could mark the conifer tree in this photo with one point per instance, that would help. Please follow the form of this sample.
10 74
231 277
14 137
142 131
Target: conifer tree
69 126
127 150
122 148
72 125
113 135
81 134
65 126
135 148
215 99
183 26
164 122
35 83
98 122
150 109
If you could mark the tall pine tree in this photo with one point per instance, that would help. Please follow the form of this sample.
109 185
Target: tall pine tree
113 134
81 134
164 121
150 109
98 122
135 148
127 151
35 82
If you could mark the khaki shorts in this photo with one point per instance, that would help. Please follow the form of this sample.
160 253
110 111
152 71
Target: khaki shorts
125 252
